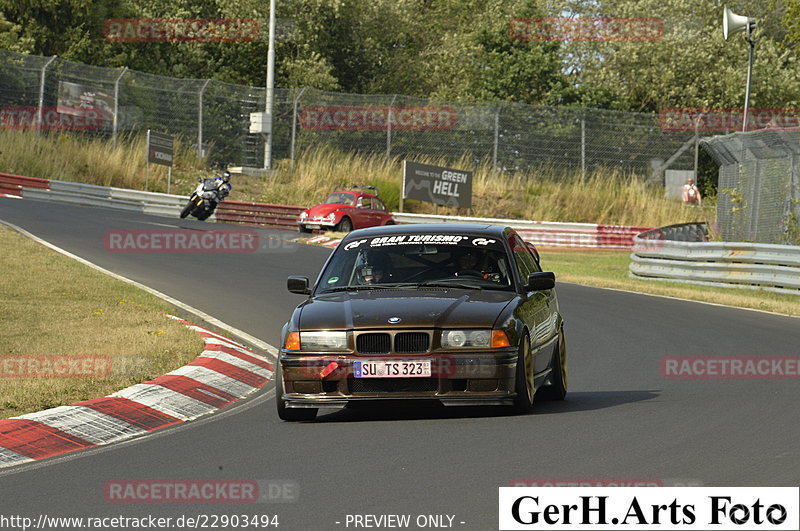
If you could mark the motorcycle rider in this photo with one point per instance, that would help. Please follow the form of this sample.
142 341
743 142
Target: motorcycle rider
220 185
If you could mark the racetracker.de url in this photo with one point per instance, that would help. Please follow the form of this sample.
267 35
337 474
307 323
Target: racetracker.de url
197 521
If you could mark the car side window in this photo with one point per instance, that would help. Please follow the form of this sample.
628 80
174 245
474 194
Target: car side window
377 204
364 202
525 262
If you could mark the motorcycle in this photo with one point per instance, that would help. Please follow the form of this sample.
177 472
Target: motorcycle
204 200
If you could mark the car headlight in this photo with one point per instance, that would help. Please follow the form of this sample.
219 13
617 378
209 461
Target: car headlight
323 341
466 338
330 217
303 215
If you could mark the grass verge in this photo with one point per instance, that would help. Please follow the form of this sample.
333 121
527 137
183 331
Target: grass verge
609 269
56 311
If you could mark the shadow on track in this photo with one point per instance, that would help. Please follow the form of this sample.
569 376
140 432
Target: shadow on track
422 410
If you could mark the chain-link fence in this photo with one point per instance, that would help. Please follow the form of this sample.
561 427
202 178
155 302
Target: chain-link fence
759 187
215 117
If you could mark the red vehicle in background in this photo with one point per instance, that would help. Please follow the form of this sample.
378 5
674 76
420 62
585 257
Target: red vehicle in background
346 210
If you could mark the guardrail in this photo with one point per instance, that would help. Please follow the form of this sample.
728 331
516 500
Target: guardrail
726 264
546 233
543 233
259 213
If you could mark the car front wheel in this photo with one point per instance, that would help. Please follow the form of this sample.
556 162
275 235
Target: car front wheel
345 225
523 402
557 389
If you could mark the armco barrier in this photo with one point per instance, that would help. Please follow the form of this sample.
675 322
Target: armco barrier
546 233
258 213
727 264
542 233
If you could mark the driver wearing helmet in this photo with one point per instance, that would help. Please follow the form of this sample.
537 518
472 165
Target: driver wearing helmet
374 270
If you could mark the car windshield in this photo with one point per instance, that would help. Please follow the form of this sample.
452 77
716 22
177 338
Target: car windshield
340 198
417 260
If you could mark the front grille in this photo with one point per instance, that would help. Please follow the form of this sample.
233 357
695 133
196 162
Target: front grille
394 385
411 342
373 343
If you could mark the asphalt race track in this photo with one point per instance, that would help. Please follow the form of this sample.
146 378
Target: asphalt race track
621 419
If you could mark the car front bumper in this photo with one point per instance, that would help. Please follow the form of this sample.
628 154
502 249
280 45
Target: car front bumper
467 379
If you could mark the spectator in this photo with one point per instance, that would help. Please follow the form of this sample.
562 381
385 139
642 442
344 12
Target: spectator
691 195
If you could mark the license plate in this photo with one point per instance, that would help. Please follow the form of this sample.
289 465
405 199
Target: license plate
392 369
313 226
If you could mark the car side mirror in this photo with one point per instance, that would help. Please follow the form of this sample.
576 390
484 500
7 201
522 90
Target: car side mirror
298 285
541 281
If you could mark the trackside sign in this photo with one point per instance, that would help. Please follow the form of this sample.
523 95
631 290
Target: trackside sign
438 185
159 148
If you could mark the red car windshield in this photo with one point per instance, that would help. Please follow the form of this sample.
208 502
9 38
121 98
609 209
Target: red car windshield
340 198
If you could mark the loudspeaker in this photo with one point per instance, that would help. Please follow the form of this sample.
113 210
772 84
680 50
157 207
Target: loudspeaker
733 23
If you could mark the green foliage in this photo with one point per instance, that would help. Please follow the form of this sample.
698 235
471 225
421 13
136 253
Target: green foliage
448 49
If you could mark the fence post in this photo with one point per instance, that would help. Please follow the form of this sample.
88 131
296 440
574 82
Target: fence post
294 130
200 150
41 94
389 130
116 106
496 135
583 147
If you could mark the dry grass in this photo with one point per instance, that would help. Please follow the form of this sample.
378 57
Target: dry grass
93 160
607 196
53 306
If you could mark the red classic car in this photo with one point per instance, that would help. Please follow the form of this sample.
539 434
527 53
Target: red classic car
346 210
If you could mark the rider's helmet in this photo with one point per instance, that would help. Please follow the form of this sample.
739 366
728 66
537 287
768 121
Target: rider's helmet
226 176
374 269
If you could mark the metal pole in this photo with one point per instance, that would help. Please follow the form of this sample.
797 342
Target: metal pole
389 130
696 146
169 177
41 95
496 135
270 87
403 188
294 127
749 77
147 162
200 150
116 106
583 149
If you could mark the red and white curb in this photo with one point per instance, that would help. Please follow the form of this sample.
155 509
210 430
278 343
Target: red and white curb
325 241
222 374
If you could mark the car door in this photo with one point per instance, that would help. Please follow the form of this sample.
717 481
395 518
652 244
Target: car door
380 211
366 214
535 307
